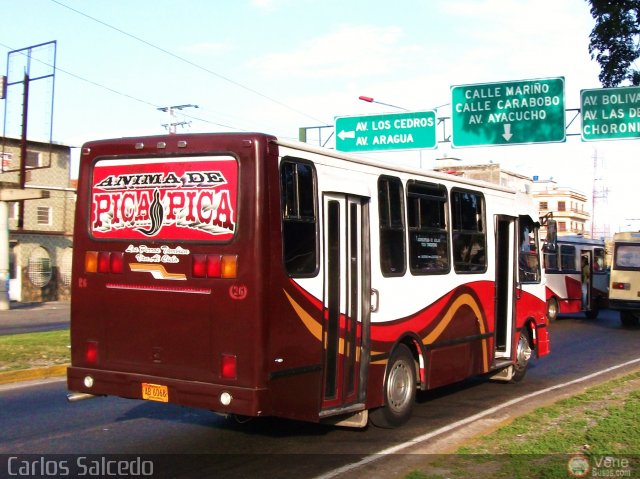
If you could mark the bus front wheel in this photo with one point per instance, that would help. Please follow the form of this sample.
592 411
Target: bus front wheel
399 390
552 309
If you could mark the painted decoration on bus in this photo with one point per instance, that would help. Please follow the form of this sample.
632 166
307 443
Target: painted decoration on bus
189 198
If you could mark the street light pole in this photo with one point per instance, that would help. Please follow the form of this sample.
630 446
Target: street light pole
368 99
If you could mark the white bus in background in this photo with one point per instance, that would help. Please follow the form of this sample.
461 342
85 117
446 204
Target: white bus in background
624 291
563 271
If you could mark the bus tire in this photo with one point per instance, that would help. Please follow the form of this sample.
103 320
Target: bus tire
399 390
629 318
592 313
523 355
552 309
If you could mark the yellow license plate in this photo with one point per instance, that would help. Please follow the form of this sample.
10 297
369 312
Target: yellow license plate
155 392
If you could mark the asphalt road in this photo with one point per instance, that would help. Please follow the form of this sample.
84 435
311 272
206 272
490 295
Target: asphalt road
34 317
36 419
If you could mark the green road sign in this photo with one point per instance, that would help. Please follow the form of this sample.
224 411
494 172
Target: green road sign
610 113
508 113
391 131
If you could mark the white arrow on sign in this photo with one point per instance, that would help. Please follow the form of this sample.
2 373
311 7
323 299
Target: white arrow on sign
507 132
346 134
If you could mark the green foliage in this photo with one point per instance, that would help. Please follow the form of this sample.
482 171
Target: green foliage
32 350
614 41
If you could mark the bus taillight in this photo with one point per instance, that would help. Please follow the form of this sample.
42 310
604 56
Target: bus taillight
621 286
91 261
229 366
91 352
116 263
214 266
103 262
229 266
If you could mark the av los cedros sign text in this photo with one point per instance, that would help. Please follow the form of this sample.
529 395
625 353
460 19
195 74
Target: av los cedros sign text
508 113
391 131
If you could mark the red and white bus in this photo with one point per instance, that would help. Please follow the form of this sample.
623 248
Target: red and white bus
564 277
254 276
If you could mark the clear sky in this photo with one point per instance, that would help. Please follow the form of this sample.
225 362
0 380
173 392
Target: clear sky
277 65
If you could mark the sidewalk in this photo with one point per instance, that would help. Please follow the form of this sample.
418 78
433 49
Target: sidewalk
34 317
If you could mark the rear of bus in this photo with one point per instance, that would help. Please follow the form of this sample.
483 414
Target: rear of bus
624 290
166 299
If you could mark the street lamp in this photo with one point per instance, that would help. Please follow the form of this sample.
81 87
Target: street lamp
368 99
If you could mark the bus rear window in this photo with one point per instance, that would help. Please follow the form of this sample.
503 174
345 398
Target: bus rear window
188 198
627 256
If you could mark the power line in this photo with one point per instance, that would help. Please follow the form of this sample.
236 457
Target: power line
188 62
122 94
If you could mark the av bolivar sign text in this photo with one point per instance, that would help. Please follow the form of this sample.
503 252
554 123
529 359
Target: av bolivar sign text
610 113
393 131
508 113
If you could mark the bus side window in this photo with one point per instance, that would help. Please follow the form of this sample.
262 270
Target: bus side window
299 225
599 258
528 259
391 215
568 258
550 261
469 234
427 221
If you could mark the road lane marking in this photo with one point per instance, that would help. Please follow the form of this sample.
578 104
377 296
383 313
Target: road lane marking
463 422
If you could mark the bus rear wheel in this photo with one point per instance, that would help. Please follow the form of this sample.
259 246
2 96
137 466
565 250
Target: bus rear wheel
523 355
399 390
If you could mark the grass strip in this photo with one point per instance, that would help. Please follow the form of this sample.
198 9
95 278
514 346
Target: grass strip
34 350
597 429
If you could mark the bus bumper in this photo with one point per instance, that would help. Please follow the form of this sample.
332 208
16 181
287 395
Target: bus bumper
624 304
220 398
543 345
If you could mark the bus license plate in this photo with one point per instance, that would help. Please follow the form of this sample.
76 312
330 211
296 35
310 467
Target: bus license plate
155 392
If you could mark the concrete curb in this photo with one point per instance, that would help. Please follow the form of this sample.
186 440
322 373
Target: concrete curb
33 374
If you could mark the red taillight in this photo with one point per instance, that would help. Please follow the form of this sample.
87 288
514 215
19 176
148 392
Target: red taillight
214 266
116 263
229 366
624 286
103 261
199 266
91 352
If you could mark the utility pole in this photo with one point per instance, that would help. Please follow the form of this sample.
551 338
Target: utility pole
599 198
173 123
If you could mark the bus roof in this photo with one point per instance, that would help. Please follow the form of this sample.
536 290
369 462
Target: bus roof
296 145
627 236
579 239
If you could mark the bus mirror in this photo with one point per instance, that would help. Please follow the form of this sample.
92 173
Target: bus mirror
551 242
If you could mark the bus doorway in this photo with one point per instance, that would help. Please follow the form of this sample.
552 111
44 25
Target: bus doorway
586 279
346 301
505 281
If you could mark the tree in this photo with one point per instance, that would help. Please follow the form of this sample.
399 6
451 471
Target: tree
615 40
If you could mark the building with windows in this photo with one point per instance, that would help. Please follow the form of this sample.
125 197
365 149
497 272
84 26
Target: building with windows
40 230
568 206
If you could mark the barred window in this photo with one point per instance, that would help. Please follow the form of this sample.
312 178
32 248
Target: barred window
43 215
65 266
39 267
